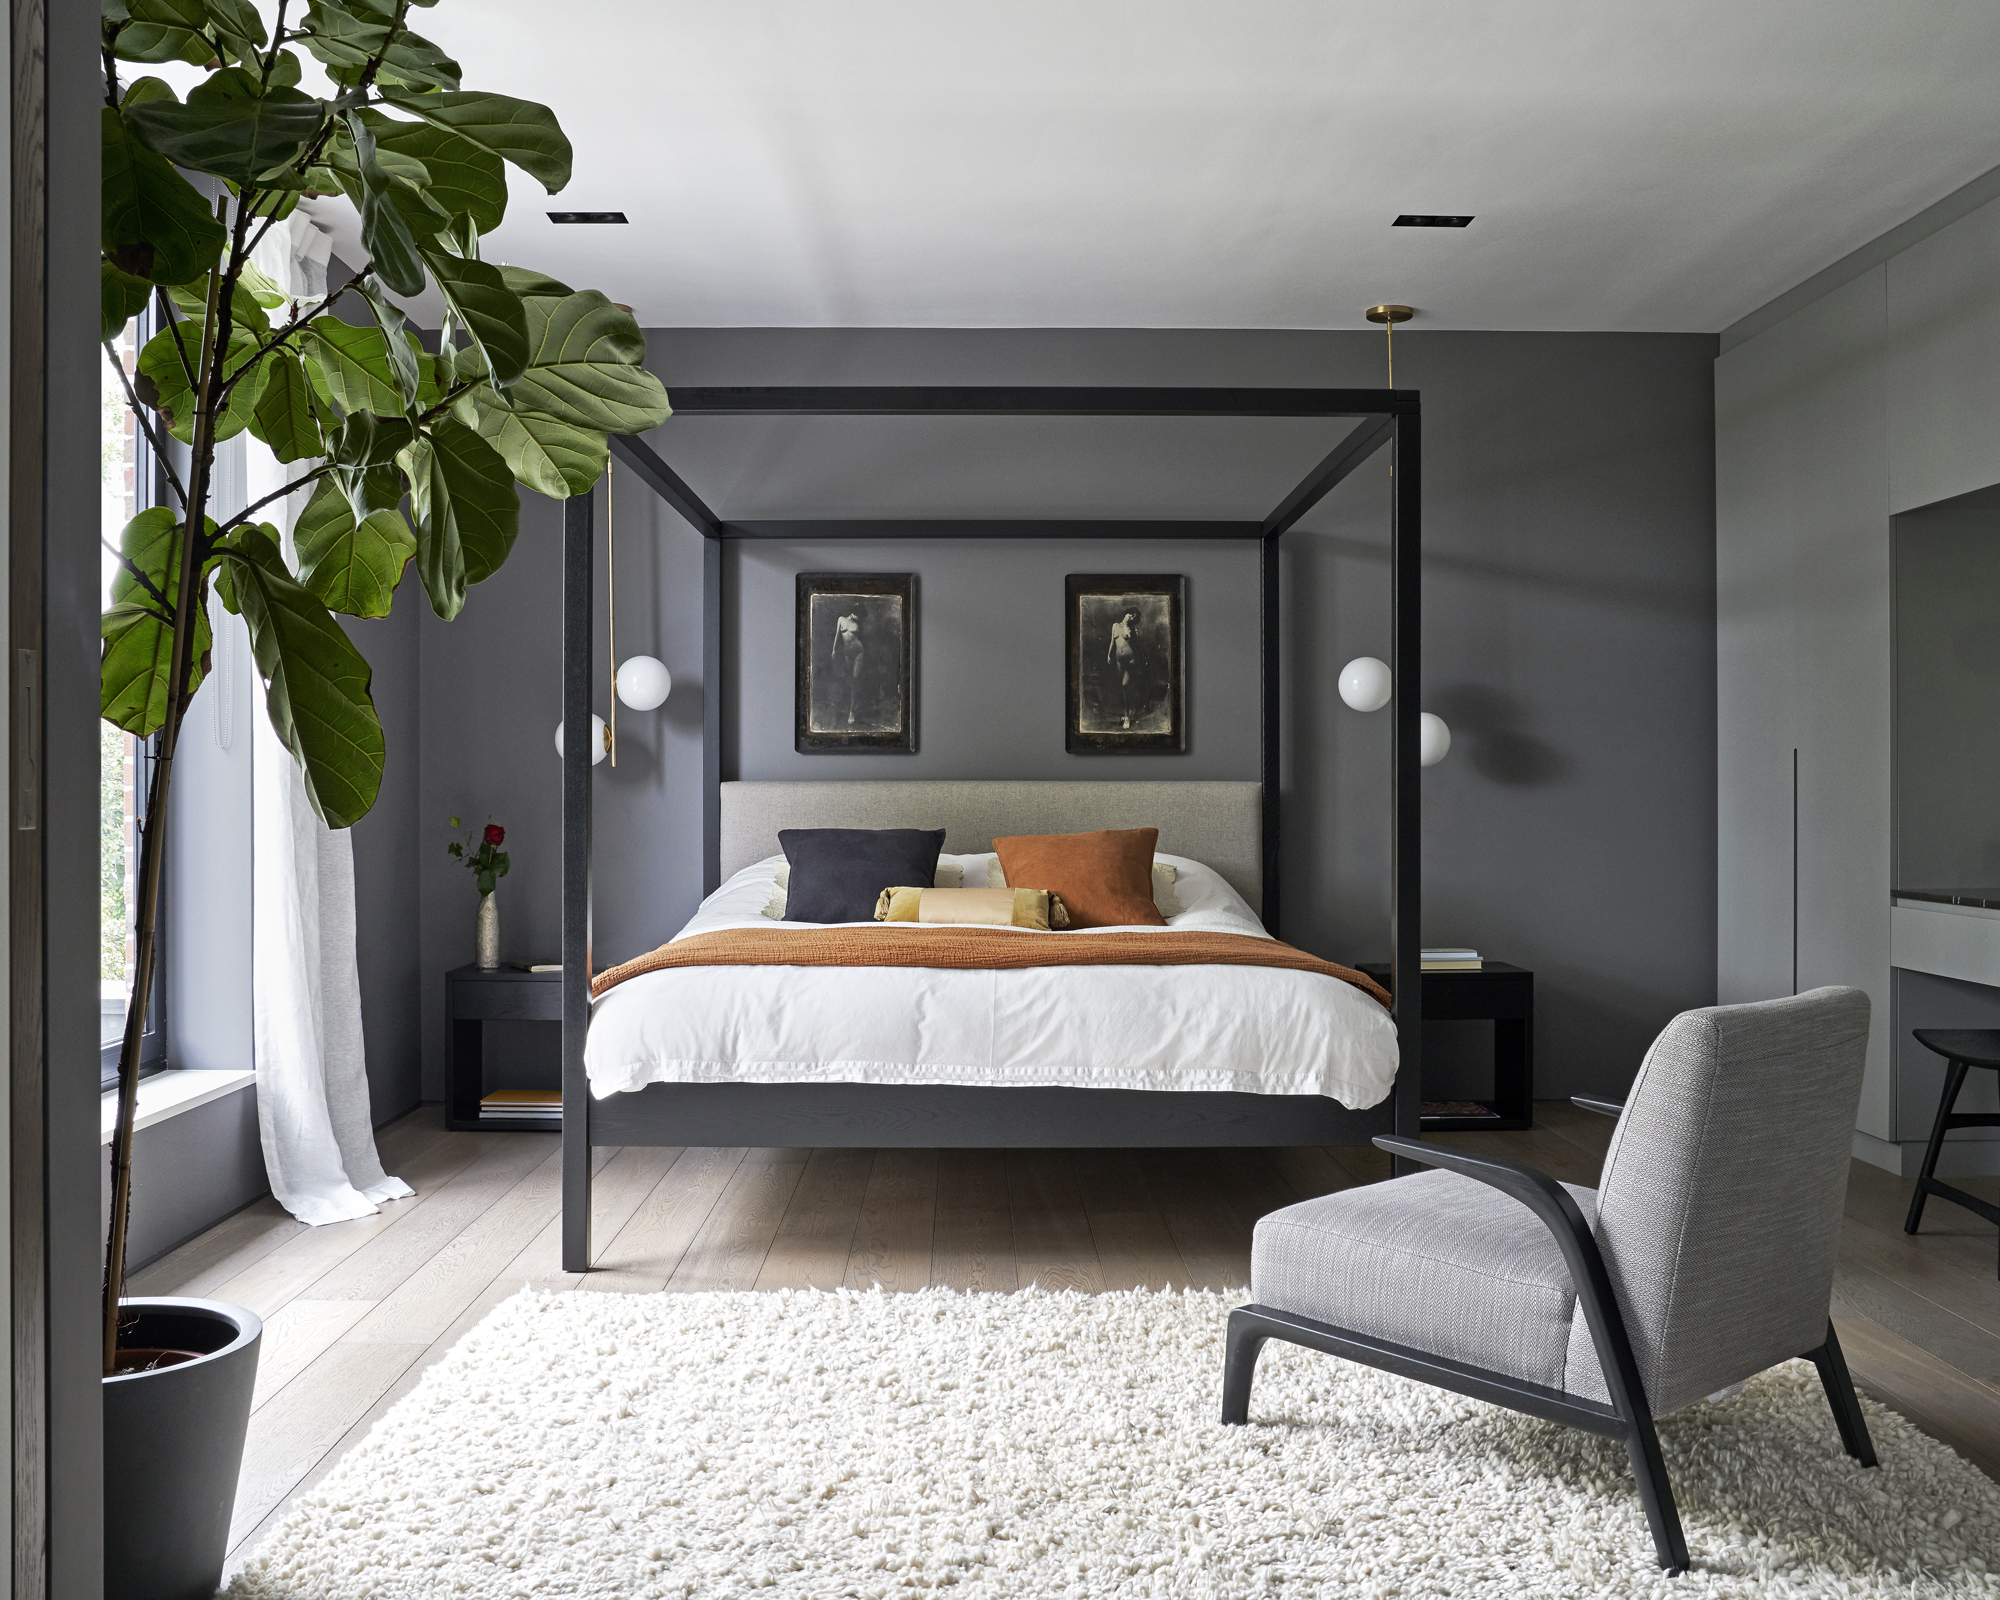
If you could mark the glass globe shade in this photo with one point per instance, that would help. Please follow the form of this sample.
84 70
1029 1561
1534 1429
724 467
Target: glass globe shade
1433 740
1365 683
643 683
599 735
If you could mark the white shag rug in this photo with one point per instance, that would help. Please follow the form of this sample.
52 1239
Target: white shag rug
1036 1444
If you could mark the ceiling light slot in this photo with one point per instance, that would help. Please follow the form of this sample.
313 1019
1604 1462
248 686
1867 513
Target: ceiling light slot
1414 220
587 216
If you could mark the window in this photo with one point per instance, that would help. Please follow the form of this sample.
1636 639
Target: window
124 763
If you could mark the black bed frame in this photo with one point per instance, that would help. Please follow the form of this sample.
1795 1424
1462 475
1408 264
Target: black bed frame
869 1115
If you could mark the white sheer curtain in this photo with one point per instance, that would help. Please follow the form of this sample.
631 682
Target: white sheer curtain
312 1082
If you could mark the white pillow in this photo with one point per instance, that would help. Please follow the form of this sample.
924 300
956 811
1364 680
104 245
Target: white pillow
950 875
1164 899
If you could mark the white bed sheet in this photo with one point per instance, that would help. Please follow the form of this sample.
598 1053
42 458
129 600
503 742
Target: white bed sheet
1258 1030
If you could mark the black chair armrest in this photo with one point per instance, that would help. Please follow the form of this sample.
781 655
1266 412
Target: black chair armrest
1604 1108
1559 1213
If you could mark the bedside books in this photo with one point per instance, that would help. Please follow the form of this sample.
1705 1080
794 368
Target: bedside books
516 1105
1450 960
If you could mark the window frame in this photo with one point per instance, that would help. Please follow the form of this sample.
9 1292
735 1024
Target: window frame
150 481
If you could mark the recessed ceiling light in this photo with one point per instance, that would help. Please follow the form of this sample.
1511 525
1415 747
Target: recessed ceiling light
588 216
1408 221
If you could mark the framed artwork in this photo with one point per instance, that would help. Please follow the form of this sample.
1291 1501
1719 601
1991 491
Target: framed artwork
1126 650
855 674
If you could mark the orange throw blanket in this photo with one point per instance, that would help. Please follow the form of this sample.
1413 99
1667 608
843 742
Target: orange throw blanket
974 947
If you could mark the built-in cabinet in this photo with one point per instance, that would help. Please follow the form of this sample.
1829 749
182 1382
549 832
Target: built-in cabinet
1878 399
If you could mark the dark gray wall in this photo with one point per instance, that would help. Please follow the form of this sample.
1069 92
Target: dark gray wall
1569 640
188 1173
386 854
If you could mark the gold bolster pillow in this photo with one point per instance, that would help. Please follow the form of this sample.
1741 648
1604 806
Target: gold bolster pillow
997 908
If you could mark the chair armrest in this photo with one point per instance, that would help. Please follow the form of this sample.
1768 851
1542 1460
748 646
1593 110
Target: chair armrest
1559 1213
1604 1108
1535 1189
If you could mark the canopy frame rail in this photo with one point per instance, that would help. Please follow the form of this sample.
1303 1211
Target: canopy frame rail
1385 417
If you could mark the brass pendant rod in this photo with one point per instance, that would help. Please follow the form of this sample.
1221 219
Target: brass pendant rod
611 614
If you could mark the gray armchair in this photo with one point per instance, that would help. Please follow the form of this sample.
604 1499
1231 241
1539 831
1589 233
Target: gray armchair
1704 1255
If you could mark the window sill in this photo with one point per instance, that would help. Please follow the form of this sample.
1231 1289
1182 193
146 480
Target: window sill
168 1094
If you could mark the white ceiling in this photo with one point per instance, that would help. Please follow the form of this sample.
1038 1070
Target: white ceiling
1633 164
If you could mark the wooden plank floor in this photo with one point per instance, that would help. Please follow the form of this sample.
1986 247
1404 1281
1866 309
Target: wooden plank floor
354 1312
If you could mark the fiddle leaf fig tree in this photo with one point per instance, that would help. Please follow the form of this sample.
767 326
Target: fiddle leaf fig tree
411 456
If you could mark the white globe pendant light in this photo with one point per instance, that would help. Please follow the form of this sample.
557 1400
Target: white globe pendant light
600 740
1433 739
644 683
1365 683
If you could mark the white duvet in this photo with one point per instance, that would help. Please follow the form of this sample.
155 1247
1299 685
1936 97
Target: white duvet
1260 1030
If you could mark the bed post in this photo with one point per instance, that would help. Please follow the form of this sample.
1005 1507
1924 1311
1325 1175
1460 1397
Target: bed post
1406 826
1272 765
711 712
576 653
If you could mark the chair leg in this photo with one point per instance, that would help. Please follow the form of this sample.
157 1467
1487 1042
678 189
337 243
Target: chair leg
1656 1494
1954 1079
1840 1395
1239 1367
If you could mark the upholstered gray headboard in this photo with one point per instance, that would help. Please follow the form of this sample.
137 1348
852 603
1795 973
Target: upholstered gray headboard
1217 823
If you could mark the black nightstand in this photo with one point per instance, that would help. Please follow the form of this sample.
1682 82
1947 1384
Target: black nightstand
473 998
1505 996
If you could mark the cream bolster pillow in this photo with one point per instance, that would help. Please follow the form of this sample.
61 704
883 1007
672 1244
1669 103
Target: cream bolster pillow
993 908
950 874
1164 874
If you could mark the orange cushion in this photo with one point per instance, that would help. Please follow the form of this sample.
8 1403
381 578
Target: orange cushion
1105 879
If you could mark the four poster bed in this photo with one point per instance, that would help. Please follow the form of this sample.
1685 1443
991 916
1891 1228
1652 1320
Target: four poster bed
749 1031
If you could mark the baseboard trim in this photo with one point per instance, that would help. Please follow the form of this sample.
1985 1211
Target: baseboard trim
1960 1158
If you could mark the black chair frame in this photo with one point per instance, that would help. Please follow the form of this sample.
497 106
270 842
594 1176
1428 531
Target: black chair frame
1928 1182
1627 1417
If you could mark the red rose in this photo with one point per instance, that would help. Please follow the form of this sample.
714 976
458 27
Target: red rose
494 834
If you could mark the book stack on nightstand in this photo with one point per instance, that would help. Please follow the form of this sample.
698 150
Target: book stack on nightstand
511 1105
1460 986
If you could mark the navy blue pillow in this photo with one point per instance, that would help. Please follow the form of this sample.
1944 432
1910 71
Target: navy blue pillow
839 873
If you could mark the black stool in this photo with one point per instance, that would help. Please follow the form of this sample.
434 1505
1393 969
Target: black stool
1961 1048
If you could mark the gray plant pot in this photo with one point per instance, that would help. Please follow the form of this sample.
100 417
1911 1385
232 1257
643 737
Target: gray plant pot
173 1445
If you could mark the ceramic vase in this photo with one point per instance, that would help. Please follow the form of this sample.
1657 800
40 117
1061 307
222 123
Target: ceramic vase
488 940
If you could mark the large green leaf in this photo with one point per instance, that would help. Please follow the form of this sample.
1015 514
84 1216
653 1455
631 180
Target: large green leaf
316 684
392 249
348 44
404 355
484 502
256 296
156 224
530 284
166 387
514 130
363 453
353 363
138 631
353 567
487 309
158 30
122 299
440 555
461 178
554 458
231 126
284 417
584 358
237 25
